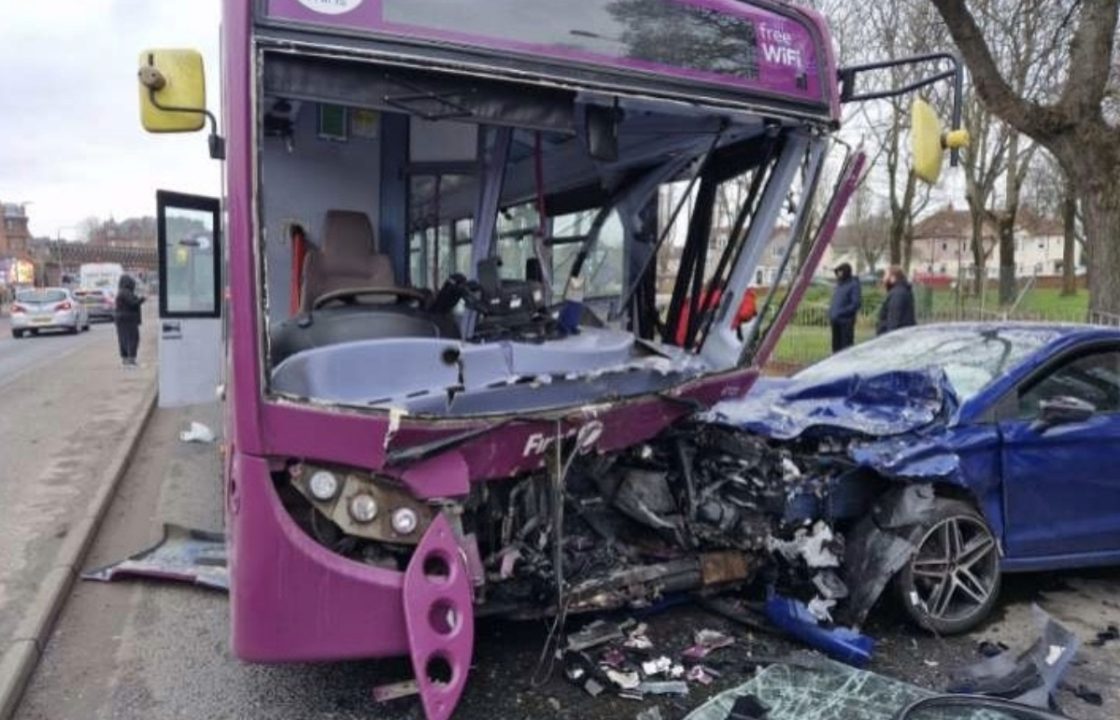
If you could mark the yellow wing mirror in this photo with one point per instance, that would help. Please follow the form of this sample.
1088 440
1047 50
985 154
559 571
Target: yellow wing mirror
928 143
173 95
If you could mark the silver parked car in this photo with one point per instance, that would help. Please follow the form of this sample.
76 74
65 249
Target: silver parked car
100 303
47 309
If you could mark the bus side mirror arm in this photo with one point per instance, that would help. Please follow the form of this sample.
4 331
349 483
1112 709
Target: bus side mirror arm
848 75
151 78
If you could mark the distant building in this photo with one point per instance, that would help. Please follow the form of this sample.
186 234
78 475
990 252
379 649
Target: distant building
14 233
137 233
943 245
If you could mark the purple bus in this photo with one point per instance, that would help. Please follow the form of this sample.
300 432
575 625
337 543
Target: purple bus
470 252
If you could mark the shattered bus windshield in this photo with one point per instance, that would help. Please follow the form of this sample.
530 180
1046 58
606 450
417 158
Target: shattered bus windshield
530 229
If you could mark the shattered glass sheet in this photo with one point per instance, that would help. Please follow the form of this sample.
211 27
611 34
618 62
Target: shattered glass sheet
809 687
183 554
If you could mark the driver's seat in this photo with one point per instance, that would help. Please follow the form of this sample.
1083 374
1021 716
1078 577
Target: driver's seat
346 258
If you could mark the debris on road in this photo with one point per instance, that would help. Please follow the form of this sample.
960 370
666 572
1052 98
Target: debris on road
1105 636
663 687
182 554
594 634
702 675
707 641
395 691
987 648
197 433
624 679
1030 677
1081 692
840 643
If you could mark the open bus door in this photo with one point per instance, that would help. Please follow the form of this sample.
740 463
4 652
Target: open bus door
190 303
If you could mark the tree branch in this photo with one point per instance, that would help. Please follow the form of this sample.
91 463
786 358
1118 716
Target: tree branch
1029 117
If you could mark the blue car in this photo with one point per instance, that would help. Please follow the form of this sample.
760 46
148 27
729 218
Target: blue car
984 448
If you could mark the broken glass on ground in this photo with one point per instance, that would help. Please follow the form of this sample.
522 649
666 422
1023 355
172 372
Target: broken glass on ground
814 688
182 554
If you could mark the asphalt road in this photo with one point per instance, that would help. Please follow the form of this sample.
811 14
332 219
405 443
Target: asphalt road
139 649
64 400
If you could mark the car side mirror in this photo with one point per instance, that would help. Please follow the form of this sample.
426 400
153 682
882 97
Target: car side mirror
1062 411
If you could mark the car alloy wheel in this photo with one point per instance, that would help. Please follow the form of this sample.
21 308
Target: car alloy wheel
952 581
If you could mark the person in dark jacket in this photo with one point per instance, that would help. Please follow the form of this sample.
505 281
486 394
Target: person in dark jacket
127 318
845 305
897 310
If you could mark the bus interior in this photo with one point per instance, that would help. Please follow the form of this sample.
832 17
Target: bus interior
448 244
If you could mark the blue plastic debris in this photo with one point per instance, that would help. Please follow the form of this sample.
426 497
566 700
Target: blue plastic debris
840 643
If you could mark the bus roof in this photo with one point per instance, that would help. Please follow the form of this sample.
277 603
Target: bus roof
742 52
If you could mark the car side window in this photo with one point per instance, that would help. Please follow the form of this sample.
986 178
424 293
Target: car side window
1094 378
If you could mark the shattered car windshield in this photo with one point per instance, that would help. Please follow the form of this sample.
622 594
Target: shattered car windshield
970 356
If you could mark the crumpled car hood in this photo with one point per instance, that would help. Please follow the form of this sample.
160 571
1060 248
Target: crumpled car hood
887 404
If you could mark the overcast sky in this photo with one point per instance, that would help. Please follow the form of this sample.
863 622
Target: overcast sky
70 136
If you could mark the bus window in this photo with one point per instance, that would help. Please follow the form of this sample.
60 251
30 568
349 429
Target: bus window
418 249
603 276
517 230
462 254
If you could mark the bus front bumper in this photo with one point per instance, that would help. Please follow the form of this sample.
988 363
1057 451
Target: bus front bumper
293 600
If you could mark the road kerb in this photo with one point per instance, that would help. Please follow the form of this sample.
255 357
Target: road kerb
22 653
15 670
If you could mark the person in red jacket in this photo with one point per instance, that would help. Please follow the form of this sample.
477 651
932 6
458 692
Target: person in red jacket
748 309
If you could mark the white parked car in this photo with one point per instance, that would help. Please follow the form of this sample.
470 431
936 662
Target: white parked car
47 309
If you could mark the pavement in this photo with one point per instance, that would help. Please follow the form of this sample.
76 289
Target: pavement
65 402
142 649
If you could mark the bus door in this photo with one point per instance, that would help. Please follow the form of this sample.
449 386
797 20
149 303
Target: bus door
190 303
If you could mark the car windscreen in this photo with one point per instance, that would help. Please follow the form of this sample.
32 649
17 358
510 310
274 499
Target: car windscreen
971 356
41 296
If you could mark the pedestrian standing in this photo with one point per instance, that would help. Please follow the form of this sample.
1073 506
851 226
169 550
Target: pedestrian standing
897 310
844 308
127 319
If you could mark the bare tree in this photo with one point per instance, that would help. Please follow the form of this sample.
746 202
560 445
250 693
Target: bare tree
1075 119
983 162
1052 194
895 30
868 229
88 227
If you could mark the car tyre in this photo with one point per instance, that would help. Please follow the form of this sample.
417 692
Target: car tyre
952 582
74 330
17 334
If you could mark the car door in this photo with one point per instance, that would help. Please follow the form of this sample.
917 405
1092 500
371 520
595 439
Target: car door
1062 481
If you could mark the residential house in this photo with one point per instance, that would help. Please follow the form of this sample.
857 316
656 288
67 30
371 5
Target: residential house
942 245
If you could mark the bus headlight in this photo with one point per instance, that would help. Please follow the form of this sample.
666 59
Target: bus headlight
361 504
323 485
363 508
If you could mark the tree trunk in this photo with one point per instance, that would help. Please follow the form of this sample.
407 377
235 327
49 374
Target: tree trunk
979 259
1102 227
1069 244
898 225
907 249
1006 229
